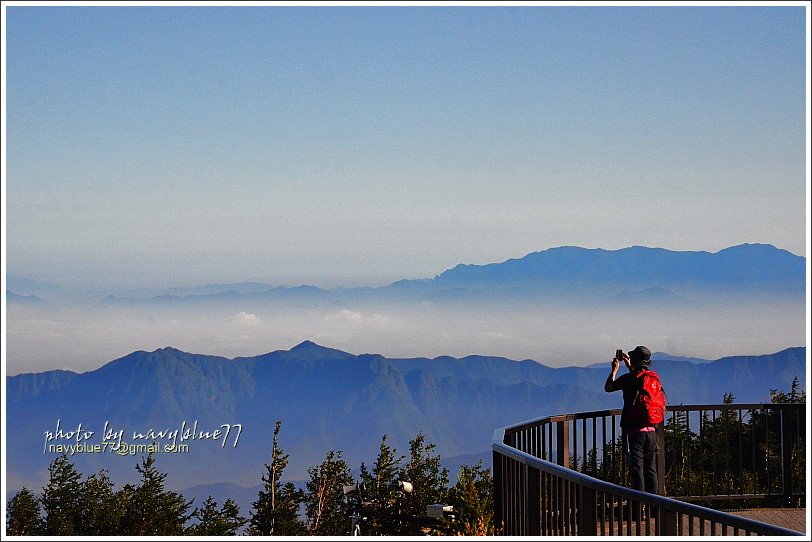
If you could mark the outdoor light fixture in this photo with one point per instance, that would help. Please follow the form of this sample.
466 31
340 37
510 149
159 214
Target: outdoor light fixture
405 487
439 510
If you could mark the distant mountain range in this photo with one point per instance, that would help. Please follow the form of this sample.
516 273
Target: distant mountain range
11 297
661 356
743 265
329 399
630 276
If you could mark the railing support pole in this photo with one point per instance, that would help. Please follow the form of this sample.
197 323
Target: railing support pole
668 524
587 517
563 443
786 456
533 502
529 489
660 458
498 493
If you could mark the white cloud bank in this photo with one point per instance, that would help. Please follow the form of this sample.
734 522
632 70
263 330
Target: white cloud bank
246 319
40 339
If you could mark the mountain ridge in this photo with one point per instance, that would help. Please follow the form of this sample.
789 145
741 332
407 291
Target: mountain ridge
313 350
330 399
561 263
755 266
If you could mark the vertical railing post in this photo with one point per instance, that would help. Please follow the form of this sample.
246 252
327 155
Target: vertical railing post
533 502
661 458
587 517
786 455
667 524
563 443
498 493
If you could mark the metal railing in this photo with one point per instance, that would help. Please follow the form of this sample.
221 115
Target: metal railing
565 474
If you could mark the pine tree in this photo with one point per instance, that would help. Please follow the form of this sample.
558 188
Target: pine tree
276 510
213 522
794 396
61 498
795 419
326 508
150 509
23 516
381 489
472 498
429 480
100 509
683 451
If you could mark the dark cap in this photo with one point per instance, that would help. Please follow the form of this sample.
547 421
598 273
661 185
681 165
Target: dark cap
640 356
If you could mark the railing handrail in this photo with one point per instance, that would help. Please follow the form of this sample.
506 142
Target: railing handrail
641 496
670 408
595 484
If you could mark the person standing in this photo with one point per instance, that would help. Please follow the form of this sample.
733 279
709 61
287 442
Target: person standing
643 409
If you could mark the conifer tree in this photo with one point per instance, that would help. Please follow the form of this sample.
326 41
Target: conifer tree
794 395
61 498
276 510
795 419
23 516
326 508
100 509
682 444
149 508
429 479
472 498
213 522
381 489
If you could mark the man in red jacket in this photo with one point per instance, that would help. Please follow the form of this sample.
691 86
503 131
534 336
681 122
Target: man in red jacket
639 437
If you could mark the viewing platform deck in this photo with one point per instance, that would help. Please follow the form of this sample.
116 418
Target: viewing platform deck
789 518
730 469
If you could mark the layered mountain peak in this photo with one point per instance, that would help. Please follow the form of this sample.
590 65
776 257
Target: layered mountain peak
733 266
168 350
160 360
312 351
305 345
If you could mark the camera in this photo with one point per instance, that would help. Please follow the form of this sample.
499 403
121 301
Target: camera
356 489
405 487
438 511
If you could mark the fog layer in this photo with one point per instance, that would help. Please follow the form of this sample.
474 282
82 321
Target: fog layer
84 337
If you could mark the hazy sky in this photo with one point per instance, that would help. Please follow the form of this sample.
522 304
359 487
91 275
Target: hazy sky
174 145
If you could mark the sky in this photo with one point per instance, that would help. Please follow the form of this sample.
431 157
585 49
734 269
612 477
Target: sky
349 146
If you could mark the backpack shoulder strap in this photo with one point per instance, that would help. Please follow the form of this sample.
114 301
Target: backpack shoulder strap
638 378
642 373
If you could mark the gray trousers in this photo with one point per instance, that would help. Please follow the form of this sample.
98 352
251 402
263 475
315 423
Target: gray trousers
642 457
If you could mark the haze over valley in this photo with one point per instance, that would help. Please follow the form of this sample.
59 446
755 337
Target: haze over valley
562 306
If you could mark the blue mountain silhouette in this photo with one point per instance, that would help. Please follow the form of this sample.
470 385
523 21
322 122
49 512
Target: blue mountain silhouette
634 275
752 264
329 399
31 299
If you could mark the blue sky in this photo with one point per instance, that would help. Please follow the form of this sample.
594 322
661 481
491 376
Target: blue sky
358 145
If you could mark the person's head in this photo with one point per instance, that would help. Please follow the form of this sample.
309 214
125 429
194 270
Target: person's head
640 357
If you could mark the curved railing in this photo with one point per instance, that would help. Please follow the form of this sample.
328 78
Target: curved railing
565 475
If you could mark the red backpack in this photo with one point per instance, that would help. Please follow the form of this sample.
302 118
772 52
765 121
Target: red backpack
648 407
